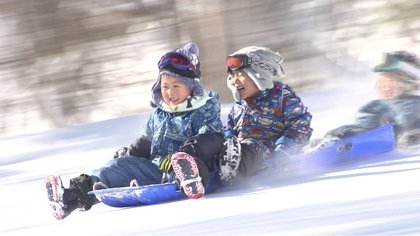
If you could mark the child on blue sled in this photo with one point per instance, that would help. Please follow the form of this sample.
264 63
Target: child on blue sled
183 109
398 103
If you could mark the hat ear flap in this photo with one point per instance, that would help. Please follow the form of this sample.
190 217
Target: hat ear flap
260 81
156 93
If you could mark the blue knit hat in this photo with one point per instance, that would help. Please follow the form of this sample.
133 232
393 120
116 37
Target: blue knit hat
191 51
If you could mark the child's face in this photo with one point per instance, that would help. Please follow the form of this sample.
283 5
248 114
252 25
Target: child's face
240 81
174 92
386 87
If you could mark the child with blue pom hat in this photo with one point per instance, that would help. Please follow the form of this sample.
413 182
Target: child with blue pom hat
183 109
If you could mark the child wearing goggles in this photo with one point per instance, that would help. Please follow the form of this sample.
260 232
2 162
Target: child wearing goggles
397 86
267 119
183 109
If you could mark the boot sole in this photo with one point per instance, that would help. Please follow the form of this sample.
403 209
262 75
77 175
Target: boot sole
52 185
230 160
186 171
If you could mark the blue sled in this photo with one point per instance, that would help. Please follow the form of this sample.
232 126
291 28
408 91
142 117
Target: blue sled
149 194
352 149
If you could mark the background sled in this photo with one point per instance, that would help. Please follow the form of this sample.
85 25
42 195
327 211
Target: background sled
352 149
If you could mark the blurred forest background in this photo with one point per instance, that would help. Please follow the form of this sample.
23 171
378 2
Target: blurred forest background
67 62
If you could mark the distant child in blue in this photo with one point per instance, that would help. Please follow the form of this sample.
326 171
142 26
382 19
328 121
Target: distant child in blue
183 109
398 103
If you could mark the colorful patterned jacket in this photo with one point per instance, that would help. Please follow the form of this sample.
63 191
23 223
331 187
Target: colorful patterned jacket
276 118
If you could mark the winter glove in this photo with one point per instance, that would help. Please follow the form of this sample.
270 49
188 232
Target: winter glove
285 149
166 164
281 158
281 153
121 152
141 148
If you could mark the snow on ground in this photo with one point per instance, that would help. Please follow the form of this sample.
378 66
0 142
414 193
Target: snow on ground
370 198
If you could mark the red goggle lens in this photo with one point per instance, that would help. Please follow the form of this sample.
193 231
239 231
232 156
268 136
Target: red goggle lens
176 59
235 63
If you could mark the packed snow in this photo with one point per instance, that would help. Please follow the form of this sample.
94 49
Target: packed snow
376 197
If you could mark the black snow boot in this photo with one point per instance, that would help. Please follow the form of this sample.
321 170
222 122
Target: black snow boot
63 201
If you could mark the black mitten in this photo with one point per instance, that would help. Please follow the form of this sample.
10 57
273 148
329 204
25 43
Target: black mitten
141 148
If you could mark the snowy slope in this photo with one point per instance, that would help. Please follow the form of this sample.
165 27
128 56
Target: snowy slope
375 197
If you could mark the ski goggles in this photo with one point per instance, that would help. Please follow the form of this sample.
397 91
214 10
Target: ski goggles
180 63
239 62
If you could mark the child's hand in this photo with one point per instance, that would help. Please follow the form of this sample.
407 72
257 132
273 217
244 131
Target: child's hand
165 164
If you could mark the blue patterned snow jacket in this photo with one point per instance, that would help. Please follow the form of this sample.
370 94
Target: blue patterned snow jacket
169 130
275 118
